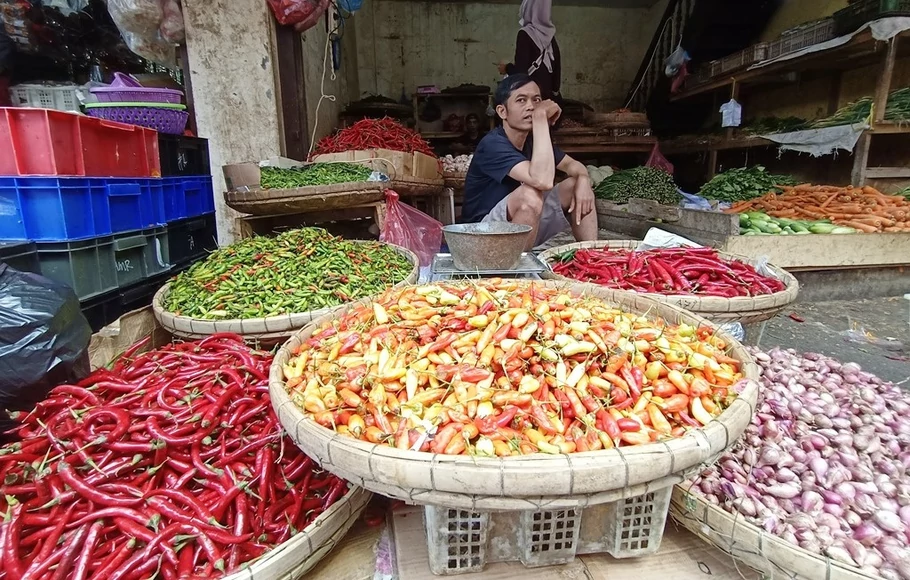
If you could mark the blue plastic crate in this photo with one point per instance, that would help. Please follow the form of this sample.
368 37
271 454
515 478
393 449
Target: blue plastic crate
53 209
50 209
186 197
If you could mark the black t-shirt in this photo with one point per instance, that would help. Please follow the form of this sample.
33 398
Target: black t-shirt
488 182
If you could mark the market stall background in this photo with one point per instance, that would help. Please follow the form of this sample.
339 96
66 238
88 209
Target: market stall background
375 96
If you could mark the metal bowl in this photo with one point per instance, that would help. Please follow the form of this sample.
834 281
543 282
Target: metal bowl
486 245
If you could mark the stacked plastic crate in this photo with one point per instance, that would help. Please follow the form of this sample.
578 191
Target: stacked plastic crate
86 198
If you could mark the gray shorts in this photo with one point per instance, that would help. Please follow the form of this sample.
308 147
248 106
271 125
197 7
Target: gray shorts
552 219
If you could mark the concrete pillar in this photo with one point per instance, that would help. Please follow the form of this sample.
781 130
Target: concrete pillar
233 76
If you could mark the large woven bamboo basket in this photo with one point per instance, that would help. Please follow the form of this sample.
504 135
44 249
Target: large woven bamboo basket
521 483
263 329
744 309
297 556
455 179
416 186
306 199
753 546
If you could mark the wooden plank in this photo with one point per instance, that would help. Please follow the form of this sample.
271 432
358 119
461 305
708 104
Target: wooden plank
656 215
883 87
641 208
821 252
860 160
888 173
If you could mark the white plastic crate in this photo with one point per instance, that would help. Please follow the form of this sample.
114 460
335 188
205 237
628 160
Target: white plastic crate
461 541
61 98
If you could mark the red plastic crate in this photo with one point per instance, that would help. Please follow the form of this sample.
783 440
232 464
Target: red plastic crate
47 142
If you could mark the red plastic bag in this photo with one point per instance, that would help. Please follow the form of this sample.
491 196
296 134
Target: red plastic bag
411 229
302 14
658 161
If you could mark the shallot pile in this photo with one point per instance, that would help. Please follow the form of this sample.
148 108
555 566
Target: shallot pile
457 164
824 463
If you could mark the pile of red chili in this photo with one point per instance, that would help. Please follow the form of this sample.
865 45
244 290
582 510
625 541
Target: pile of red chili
666 271
382 133
171 464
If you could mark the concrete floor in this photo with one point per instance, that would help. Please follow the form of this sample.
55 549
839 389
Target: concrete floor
835 328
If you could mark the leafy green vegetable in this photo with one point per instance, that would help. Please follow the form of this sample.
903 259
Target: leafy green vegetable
743 183
313 174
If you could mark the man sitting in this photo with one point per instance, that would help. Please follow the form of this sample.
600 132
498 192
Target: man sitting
511 177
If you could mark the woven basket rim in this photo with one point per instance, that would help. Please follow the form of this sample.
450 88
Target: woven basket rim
695 442
340 514
693 302
696 525
278 325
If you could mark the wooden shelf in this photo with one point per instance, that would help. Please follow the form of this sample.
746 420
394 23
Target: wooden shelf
451 95
859 51
442 135
700 144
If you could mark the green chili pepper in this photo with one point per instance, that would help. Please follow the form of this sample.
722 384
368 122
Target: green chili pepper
298 271
314 174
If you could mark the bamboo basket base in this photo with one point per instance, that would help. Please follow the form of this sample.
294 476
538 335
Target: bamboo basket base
463 541
743 309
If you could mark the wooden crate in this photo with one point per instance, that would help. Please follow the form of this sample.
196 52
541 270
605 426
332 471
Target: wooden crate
396 164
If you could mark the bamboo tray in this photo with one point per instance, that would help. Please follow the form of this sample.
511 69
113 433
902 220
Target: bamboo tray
521 483
264 329
306 199
416 186
733 535
744 309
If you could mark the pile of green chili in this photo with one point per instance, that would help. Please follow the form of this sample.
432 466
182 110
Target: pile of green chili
298 271
313 174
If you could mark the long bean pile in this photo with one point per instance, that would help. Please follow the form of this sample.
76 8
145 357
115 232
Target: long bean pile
503 368
171 464
299 271
824 463
639 182
382 133
744 183
315 174
698 271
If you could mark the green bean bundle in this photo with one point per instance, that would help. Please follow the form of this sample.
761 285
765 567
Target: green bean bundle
299 271
639 182
314 174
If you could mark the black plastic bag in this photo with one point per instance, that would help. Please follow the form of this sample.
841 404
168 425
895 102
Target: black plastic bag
43 338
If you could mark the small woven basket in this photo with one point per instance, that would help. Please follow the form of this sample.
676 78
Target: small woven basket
743 309
534 482
170 119
767 553
126 89
271 328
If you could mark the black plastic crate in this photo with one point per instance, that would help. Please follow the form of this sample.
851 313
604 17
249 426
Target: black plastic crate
102 310
22 256
86 266
141 254
183 156
858 13
192 238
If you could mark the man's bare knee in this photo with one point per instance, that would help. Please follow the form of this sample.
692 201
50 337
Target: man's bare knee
526 200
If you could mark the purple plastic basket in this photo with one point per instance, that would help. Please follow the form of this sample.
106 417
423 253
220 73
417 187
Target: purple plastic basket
125 89
169 121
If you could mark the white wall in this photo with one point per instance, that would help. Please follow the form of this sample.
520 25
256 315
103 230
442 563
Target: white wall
233 73
343 87
402 44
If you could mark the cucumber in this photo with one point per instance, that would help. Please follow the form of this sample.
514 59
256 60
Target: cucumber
744 220
843 230
770 228
821 228
799 228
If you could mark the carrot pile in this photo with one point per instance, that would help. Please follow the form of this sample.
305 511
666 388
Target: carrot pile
865 209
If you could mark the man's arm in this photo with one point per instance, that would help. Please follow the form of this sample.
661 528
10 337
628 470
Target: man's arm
573 168
540 171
